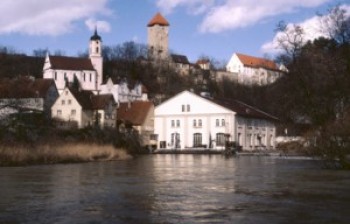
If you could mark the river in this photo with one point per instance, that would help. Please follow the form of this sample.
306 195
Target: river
176 189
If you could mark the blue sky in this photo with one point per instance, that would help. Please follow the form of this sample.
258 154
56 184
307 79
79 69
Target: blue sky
215 28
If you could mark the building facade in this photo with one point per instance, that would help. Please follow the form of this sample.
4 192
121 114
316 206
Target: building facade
188 120
253 70
80 109
87 73
25 95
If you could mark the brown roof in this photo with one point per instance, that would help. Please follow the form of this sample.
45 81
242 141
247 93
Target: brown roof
83 97
202 61
243 109
158 19
41 86
144 89
135 112
25 88
71 63
255 62
101 101
180 59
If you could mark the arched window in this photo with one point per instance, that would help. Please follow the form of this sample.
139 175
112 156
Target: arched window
197 140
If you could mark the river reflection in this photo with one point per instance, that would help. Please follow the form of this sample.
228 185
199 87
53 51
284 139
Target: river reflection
176 189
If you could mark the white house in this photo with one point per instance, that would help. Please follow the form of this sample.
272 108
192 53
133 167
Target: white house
88 72
80 109
26 95
188 120
122 92
253 70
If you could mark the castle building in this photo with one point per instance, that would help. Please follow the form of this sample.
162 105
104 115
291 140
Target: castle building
158 37
85 72
253 70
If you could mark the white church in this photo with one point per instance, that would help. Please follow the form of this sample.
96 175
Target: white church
88 73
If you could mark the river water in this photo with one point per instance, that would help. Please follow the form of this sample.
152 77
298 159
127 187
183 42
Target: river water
176 189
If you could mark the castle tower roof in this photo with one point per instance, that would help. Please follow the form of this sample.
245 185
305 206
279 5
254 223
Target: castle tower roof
158 19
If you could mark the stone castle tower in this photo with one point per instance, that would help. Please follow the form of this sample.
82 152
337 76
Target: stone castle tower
158 37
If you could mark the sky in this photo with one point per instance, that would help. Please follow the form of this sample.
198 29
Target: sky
212 28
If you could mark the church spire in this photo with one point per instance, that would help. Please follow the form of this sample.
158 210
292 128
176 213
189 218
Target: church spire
95 36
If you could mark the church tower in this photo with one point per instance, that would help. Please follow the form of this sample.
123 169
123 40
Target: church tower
158 35
95 54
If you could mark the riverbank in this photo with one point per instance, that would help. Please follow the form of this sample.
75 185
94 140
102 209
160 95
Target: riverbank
21 155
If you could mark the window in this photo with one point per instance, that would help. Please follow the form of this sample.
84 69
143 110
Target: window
59 112
183 108
194 123
90 77
197 140
220 139
55 75
200 123
63 102
177 123
97 50
69 102
73 112
172 123
217 122
222 122
188 108
153 137
84 76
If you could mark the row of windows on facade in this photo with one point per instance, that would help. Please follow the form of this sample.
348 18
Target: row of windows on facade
74 112
198 123
84 76
220 140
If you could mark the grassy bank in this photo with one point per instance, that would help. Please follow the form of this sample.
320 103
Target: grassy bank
66 153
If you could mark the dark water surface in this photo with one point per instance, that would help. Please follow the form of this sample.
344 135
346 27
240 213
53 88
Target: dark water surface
176 189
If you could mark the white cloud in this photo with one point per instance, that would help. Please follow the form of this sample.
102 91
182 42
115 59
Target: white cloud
222 15
102 26
194 6
47 17
312 29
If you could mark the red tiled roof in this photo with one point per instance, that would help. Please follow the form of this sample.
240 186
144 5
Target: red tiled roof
158 19
256 62
71 63
134 112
